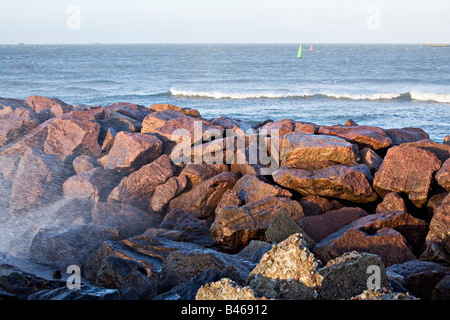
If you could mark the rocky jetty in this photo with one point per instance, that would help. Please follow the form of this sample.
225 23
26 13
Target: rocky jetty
157 202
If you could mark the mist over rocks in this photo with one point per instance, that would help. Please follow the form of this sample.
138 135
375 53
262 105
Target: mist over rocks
98 187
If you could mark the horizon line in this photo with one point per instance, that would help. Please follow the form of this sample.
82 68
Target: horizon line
234 43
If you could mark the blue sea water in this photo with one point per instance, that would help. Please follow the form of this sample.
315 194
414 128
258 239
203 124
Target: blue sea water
391 86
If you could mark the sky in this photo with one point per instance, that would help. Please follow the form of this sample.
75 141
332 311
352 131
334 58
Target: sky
224 21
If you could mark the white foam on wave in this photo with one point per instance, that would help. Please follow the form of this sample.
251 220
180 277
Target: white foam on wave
414 95
430 96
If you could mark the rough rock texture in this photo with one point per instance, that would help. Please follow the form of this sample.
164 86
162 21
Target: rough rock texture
167 106
304 147
283 227
73 134
318 227
347 275
407 170
315 205
234 227
287 271
83 163
443 175
131 151
391 235
55 106
138 187
371 159
16 124
203 199
363 136
164 193
338 181
225 289
392 202
404 135
198 173
441 151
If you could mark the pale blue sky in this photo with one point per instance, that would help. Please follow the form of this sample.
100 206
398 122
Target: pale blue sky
226 21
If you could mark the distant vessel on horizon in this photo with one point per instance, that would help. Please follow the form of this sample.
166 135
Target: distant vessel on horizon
299 54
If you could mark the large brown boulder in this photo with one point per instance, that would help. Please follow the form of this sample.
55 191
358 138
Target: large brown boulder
37 180
443 176
303 147
363 136
351 183
157 119
282 126
391 235
15 124
131 151
407 170
250 188
438 237
319 227
72 134
167 106
202 200
441 151
391 202
198 173
164 193
234 227
404 135
137 188
55 106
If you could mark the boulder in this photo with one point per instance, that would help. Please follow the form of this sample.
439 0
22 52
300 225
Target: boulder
233 126
315 205
155 120
404 135
119 122
391 235
363 136
391 202
134 111
446 140
441 290
167 106
94 184
180 266
234 227
108 140
441 151
443 175
250 188
255 250
347 275
282 227
288 271
73 134
438 237
229 199
202 200
225 289
434 203
303 147
371 159
198 173
164 193
281 126
351 183
137 188
83 163
37 180
126 219
350 123
64 247
307 127
131 151
318 227
16 124
55 106
407 170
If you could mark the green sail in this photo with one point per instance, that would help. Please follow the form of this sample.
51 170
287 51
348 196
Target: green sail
299 54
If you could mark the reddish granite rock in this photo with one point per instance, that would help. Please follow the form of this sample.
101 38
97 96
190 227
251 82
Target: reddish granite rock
337 181
319 227
303 147
251 188
363 136
72 134
167 106
233 126
130 110
407 170
441 151
94 184
404 135
15 124
83 163
443 176
234 227
350 123
371 159
307 127
202 200
131 151
392 202
138 187
37 180
119 122
55 106
155 120
392 235
198 173
446 140
283 126
438 237
164 193
315 205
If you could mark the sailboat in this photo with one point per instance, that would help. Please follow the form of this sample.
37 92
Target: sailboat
311 49
299 54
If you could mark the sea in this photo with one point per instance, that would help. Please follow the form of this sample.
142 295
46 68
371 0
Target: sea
385 85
